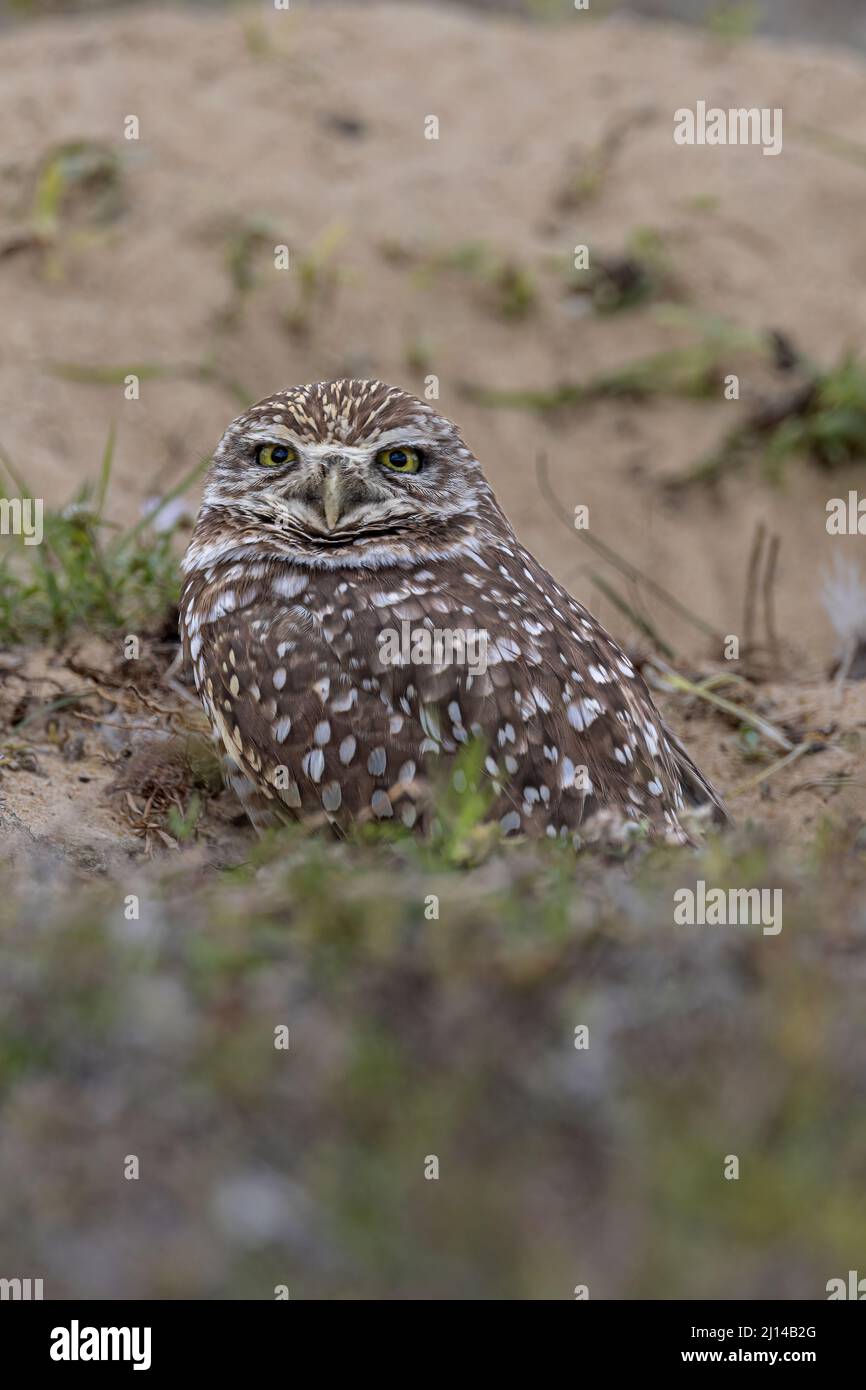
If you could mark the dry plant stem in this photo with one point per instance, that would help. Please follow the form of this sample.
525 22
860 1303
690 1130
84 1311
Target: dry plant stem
770 771
616 560
642 623
751 587
763 726
769 598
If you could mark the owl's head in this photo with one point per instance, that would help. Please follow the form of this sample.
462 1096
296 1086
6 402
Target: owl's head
343 472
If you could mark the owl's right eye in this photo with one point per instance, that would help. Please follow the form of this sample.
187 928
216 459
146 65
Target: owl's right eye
274 455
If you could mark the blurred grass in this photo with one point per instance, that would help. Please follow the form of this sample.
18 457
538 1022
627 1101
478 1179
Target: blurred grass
823 419
81 575
412 1037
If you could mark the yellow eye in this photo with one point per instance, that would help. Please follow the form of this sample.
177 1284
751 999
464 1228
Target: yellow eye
400 460
274 455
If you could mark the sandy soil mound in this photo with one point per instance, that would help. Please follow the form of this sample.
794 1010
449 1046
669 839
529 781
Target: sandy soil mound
308 129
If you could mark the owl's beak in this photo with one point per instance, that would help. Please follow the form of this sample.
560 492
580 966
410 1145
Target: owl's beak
333 497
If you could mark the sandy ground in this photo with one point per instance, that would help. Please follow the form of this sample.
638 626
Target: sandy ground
307 130
313 122
77 783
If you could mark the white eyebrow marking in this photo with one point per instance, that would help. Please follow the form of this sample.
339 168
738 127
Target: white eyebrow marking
266 434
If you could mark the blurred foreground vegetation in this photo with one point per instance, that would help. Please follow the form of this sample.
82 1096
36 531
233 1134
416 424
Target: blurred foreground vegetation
412 1037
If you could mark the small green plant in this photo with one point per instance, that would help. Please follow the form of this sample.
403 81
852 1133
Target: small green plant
831 429
182 824
85 170
694 372
589 169
733 20
419 354
248 240
508 288
315 277
262 41
461 834
822 419
82 576
208 369
688 372
257 40
79 190
703 202
617 283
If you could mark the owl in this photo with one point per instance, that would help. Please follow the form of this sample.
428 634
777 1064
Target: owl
356 608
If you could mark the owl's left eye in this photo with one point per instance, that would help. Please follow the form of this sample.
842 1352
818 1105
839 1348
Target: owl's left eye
400 460
273 455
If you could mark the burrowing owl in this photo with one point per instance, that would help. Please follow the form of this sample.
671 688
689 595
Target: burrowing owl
356 607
